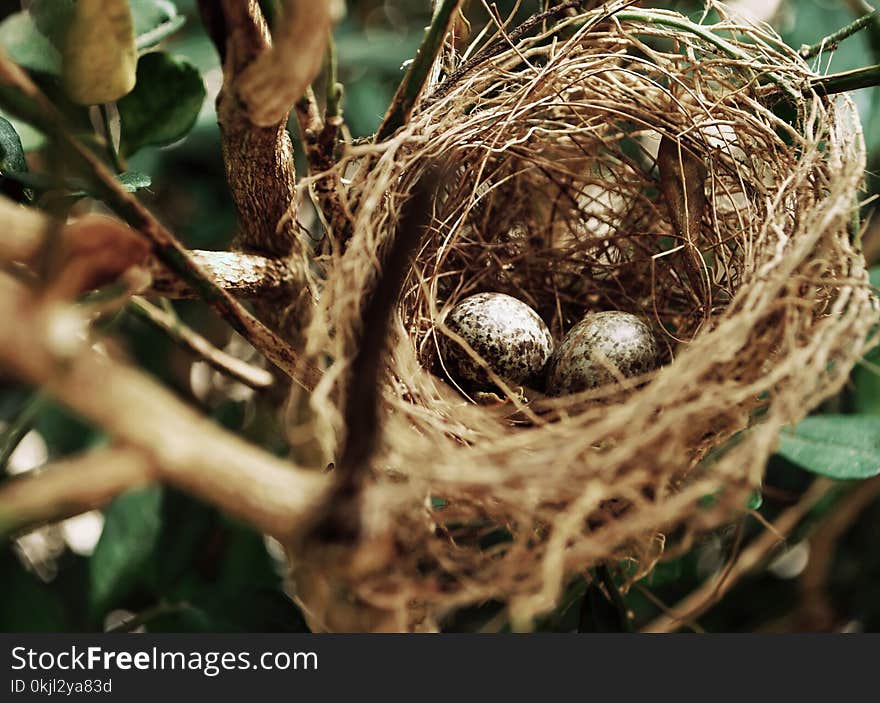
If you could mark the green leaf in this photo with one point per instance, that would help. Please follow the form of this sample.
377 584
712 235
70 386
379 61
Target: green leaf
27 45
11 150
134 181
837 446
164 105
153 21
27 605
123 554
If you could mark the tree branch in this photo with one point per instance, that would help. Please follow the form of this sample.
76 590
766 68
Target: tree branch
27 232
70 487
190 340
279 77
831 42
258 158
707 595
243 275
188 449
845 81
21 96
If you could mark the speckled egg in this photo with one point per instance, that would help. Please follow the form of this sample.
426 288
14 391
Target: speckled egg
602 338
505 332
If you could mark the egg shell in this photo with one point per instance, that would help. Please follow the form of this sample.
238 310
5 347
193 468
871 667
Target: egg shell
617 338
505 332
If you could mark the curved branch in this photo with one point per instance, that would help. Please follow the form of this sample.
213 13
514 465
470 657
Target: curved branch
188 449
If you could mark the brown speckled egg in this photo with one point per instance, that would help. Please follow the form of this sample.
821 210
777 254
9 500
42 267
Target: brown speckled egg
622 339
505 332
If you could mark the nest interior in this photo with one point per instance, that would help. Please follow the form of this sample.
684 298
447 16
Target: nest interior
553 194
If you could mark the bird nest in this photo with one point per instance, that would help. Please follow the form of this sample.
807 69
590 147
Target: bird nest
552 193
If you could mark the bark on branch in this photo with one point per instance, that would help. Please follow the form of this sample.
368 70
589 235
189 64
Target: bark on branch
243 275
28 232
19 94
258 158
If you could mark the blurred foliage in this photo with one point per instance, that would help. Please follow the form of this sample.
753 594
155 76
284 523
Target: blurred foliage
166 562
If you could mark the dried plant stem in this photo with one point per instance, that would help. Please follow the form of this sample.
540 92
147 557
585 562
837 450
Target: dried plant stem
815 612
680 23
187 449
341 522
192 341
830 42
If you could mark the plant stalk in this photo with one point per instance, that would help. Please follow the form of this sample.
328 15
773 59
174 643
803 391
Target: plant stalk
414 81
832 40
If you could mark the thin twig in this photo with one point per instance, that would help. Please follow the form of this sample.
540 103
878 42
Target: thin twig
414 81
615 596
831 42
678 22
815 612
496 47
192 341
21 96
335 90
